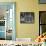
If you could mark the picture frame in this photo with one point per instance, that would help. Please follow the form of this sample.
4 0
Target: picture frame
27 17
42 1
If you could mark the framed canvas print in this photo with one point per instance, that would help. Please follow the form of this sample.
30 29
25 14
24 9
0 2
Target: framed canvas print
7 20
27 17
42 1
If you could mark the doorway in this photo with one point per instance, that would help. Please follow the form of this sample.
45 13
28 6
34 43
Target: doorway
42 22
7 21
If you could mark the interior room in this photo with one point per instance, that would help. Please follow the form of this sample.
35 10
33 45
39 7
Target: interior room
23 20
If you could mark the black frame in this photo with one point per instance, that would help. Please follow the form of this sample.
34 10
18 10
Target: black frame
27 16
39 25
41 2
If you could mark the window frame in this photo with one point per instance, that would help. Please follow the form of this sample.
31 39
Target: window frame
39 22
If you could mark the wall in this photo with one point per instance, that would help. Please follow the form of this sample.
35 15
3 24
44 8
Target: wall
27 30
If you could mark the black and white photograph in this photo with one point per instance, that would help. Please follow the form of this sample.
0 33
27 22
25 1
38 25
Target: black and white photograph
27 17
